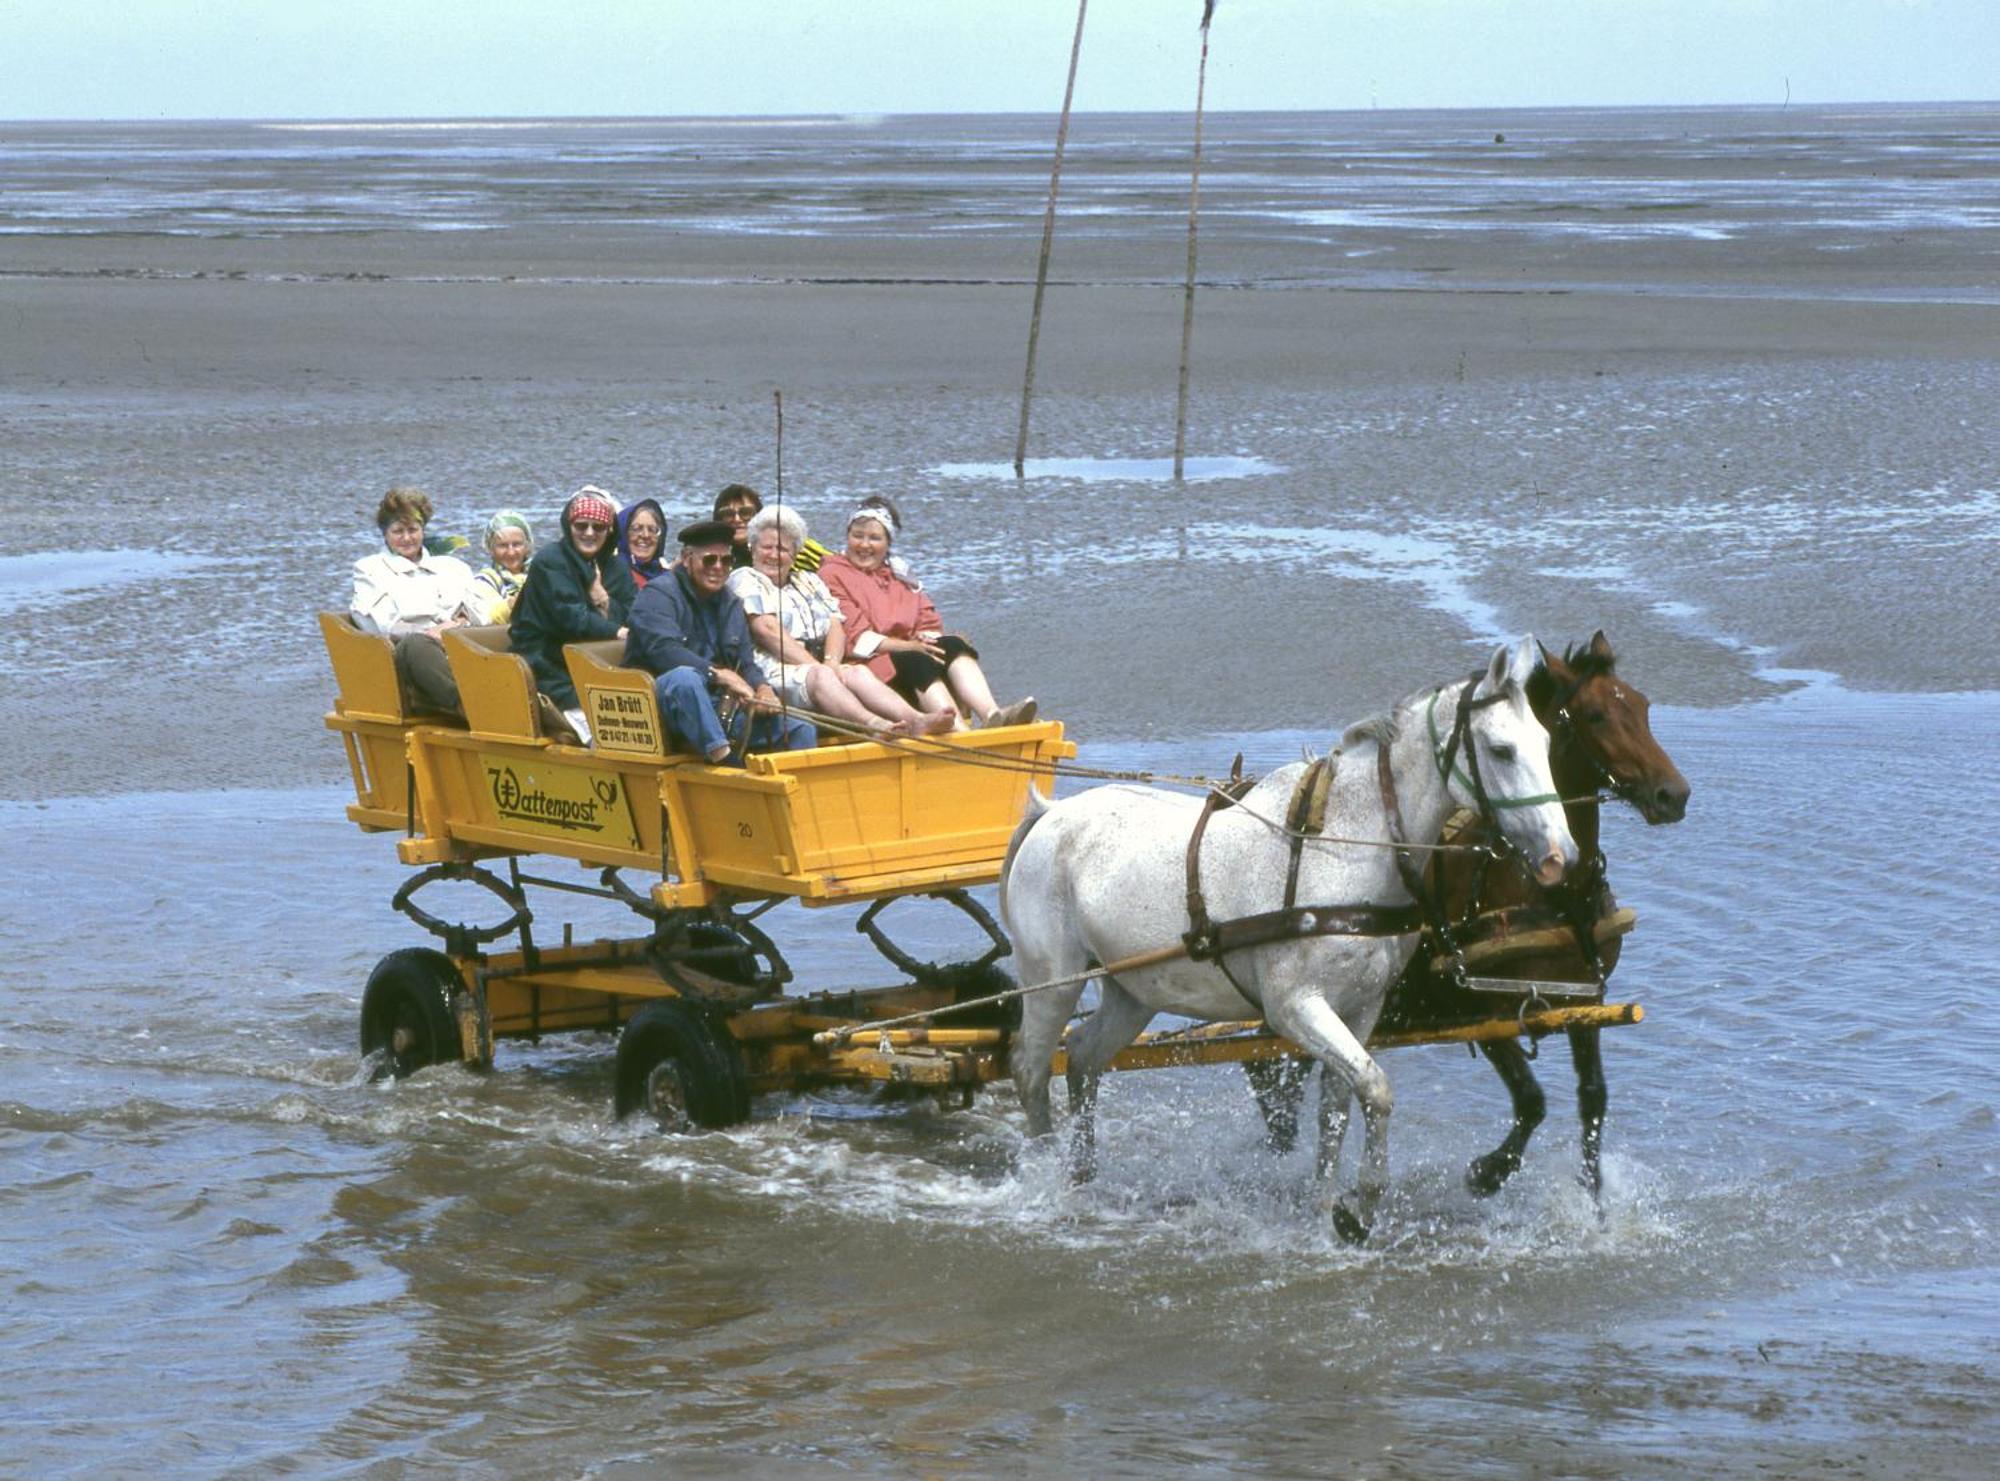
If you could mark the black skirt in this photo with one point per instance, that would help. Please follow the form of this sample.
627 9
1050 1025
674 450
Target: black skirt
916 671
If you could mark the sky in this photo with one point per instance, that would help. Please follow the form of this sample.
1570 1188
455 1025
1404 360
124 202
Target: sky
148 59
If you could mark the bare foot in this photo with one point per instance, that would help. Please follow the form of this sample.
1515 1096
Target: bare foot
937 722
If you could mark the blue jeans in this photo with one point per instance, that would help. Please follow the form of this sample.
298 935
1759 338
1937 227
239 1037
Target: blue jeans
690 713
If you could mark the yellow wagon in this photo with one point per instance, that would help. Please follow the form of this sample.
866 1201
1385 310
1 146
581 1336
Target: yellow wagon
698 1000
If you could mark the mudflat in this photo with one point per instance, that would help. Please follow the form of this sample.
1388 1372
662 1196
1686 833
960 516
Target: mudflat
1751 458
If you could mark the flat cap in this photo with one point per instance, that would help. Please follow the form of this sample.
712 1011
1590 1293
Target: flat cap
707 532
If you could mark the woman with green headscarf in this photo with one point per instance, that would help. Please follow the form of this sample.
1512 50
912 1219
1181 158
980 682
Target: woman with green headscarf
510 544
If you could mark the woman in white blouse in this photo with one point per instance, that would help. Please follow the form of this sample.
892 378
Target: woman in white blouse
410 596
795 623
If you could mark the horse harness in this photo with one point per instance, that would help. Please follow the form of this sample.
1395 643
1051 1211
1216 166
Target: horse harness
1305 816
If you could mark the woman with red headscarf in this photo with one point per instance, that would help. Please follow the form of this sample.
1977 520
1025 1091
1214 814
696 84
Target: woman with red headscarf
577 592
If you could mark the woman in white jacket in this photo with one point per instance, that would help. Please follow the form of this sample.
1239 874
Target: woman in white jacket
410 595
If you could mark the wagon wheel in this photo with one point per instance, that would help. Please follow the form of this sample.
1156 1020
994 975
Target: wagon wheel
408 1012
677 1060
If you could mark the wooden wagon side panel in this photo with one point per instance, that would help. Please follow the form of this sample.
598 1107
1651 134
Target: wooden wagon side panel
871 820
498 792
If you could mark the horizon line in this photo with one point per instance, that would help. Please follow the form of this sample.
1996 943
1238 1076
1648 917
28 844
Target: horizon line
854 115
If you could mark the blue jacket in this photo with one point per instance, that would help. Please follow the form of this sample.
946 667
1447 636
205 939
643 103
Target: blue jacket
673 625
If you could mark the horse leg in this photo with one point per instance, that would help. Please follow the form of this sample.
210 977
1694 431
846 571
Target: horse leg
1044 1015
1280 1088
1316 1028
1487 1173
1120 1018
1591 1100
1040 916
1333 1105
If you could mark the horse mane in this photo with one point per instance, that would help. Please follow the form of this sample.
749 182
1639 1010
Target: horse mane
1587 662
1382 729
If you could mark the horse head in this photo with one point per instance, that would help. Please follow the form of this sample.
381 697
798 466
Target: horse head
1601 720
1507 750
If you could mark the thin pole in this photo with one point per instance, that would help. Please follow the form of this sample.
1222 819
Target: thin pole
1048 240
1194 209
778 457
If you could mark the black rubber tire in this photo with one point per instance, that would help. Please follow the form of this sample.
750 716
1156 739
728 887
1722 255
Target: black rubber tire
406 1010
692 1048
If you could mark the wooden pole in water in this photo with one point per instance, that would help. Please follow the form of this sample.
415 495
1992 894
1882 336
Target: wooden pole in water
1194 209
1048 240
778 400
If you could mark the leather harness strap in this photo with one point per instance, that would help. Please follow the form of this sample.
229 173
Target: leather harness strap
1209 940
1428 904
1306 814
1214 803
1200 938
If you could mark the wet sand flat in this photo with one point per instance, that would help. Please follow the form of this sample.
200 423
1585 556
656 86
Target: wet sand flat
1702 475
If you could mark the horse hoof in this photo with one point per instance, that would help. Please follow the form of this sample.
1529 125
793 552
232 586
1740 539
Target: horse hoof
1347 1224
1487 1175
1592 1182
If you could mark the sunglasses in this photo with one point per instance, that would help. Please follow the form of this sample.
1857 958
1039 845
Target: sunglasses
581 525
713 559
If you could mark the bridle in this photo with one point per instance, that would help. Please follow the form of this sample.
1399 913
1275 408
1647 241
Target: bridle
1578 896
1566 732
1446 750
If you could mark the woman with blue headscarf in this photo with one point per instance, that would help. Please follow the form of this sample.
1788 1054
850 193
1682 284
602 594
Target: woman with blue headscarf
642 538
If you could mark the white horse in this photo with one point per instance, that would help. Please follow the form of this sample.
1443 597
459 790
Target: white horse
1102 876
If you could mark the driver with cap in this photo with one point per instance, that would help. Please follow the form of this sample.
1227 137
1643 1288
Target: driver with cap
690 630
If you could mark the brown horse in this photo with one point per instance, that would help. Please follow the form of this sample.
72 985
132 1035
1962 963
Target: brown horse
1599 740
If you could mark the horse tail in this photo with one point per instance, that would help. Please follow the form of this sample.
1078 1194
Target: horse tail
1037 809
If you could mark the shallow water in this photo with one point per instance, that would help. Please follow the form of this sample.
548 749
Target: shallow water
1797 1254
1335 191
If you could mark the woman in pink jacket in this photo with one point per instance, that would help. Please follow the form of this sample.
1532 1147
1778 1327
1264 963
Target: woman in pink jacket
893 628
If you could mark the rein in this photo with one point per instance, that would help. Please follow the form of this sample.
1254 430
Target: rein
1210 940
